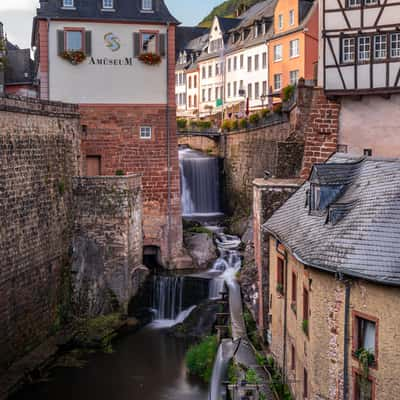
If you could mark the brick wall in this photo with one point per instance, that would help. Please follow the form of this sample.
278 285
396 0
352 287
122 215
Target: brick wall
113 133
39 154
107 259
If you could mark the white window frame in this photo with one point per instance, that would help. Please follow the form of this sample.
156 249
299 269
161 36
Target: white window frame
380 47
370 2
348 50
277 88
291 17
354 3
278 54
147 5
294 77
280 22
395 40
108 4
364 48
146 132
68 4
294 48
256 62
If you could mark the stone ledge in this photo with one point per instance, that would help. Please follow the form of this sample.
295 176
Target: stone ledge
278 183
131 180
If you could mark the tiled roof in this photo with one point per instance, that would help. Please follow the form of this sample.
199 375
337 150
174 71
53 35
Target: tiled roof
362 234
125 10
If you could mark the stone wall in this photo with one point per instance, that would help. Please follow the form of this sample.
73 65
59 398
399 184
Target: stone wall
39 155
204 144
107 258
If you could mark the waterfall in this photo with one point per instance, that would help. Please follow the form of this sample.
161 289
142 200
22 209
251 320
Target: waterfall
199 183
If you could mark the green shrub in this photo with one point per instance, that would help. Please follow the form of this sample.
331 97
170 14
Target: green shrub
227 125
233 373
261 359
119 172
203 125
182 123
193 123
235 125
61 187
243 123
200 358
200 229
254 119
265 113
277 108
252 377
287 92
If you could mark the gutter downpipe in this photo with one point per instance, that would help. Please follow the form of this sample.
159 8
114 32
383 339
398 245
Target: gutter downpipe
285 318
169 244
346 340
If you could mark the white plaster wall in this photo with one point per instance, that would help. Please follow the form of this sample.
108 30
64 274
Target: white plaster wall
85 83
372 123
210 83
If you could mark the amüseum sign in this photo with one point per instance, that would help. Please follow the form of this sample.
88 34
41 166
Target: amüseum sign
111 61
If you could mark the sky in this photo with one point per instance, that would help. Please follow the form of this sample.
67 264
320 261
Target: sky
17 15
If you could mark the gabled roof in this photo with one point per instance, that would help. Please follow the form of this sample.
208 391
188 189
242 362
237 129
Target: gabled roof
362 234
189 37
125 10
226 24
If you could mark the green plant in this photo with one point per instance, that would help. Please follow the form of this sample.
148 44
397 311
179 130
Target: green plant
235 125
200 229
200 358
252 377
288 92
233 373
254 118
119 172
243 123
262 396
261 359
203 125
279 288
277 108
366 358
305 326
226 125
265 113
61 187
182 123
193 123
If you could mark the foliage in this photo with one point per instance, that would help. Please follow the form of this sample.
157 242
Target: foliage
74 57
119 172
226 125
201 124
182 123
277 108
150 58
61 187
277 383
288 92
233 373
243 123
235 125
251 328
200 229
279 288
261 360
200 358
254 118
304 326
226 9
252 377
265 113
366 358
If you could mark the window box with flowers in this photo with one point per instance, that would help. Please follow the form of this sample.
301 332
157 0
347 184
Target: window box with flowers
149 47
150 58
74 44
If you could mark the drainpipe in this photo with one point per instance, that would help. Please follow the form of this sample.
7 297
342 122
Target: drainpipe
346 341
285 294
169 244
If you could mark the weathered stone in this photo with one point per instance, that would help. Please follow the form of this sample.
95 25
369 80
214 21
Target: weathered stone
201 248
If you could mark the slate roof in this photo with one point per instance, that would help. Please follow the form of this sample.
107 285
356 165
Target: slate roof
125 10
20 67
226 24
361 237
189 37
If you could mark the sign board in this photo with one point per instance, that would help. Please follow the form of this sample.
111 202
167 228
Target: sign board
218 103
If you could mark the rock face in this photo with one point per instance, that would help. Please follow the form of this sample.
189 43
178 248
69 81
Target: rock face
201 248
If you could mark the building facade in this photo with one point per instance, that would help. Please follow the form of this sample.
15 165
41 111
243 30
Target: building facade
116 59
359 64
293 49
334 282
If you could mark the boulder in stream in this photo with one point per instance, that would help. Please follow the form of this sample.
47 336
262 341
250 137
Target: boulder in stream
201 248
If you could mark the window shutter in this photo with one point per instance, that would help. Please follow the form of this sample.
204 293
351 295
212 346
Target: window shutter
60 42
162 44
136 44
88 43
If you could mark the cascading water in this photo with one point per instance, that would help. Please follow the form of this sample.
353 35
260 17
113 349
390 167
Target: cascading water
199 183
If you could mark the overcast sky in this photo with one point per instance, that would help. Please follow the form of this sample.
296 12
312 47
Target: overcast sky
17 15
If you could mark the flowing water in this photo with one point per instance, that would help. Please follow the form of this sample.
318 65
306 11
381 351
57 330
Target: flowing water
199 183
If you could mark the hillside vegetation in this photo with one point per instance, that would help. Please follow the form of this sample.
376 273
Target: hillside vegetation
226 9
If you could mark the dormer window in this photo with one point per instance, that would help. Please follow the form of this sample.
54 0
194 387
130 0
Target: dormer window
108 4
256 30
68 3
147 5
322 196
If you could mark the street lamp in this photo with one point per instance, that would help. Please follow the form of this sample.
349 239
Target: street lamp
263 97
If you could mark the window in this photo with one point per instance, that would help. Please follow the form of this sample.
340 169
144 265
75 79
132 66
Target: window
370 2
294 292
256 90
264 88
306 311
74 40
280 277
145 132
234 89
293 361
195 82
204 73
264 60
256 30
147 5
280 22
149 42
241 61
354 3
368 152
348 50
277 82
229 89
294 77
364 48
249 67
278 52
68 3
249 91
216 93
395 45
209 94
195 101
229 64
294 48
380 47
305 384
365 334
108 4
291 17
190 101
256 62
203 95
363 388
210 71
